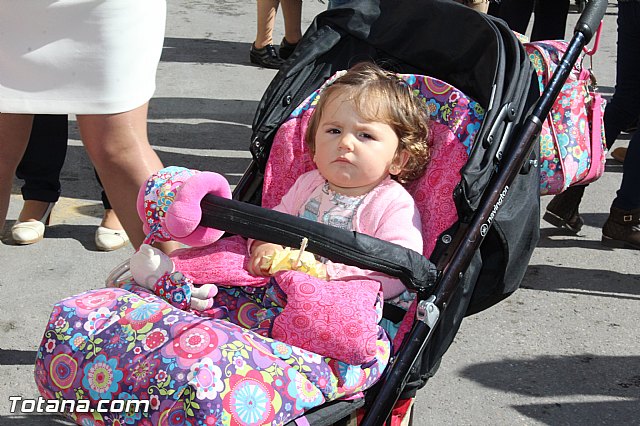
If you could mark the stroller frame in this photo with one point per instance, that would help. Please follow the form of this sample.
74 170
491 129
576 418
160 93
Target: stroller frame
435 286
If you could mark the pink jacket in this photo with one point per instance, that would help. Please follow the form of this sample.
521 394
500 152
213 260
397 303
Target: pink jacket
388 212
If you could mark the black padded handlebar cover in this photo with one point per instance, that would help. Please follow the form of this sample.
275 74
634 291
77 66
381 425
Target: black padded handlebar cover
590 19
338 245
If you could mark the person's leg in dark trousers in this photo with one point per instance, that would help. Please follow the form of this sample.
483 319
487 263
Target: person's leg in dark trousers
550 20
623 224
623 109
628 196
40 169
41 164
516 13
103 195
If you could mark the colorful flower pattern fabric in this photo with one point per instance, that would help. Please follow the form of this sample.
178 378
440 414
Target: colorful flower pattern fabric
572 142
127 343
158 195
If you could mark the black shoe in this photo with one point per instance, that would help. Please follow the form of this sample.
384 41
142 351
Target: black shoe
286 48
266 57
562 211
622 229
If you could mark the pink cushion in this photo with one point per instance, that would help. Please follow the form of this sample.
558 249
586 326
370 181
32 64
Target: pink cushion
184 215
337 319
433 192
169 205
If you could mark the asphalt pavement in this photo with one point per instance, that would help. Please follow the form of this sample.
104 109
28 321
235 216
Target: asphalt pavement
563 350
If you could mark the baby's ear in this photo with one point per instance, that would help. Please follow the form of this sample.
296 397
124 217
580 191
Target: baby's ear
399 161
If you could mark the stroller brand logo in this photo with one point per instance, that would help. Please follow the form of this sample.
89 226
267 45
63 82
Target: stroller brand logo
485 227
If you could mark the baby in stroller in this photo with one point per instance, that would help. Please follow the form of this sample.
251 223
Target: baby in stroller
369 133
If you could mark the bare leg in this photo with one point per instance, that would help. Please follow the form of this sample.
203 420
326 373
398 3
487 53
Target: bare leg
14 137
266 18
292 13
32 210
110 220
119 149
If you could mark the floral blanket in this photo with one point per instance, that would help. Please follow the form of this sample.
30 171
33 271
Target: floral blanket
126 343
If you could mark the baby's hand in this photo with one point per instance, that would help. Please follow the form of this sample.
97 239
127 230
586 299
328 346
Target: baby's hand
260 249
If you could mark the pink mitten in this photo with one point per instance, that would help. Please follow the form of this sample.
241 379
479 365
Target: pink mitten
169 205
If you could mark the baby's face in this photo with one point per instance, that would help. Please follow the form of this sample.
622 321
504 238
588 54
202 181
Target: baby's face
353 154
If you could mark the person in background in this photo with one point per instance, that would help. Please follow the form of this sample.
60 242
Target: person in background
550 16
40 169
622 228
263 52
106 81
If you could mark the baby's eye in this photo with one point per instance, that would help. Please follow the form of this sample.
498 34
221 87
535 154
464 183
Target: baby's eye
366 136
333 131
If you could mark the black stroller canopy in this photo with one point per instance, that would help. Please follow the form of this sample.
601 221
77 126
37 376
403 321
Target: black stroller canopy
436 38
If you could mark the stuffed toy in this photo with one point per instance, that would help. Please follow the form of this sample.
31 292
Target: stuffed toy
154 270
169 205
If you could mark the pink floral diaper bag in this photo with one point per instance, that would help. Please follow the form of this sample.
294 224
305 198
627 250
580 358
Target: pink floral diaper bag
572 143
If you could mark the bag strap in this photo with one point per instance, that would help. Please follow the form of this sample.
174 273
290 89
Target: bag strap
546 61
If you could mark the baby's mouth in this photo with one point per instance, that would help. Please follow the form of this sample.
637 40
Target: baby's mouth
341 160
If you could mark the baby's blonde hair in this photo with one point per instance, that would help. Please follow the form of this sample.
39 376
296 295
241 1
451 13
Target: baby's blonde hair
382 96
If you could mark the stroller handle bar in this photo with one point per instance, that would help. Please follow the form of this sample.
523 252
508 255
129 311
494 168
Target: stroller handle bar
338 245
590 19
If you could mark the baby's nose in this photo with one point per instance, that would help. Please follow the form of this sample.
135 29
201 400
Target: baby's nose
346 142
